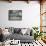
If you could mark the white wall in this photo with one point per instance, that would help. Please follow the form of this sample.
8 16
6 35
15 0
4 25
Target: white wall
30 14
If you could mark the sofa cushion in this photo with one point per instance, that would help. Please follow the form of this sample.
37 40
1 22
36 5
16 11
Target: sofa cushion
22 38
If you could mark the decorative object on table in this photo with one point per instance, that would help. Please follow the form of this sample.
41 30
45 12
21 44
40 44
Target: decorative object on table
15 15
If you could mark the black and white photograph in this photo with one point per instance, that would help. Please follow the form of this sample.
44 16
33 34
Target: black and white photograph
15 14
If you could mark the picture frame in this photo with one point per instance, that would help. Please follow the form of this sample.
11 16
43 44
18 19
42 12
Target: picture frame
15 15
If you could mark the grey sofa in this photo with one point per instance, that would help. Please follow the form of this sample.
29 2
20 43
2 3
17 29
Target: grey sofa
15 33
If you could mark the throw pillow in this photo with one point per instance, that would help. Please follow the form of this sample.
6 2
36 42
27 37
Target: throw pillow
23 31
17 30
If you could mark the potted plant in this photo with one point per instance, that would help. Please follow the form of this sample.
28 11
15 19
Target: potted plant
37 33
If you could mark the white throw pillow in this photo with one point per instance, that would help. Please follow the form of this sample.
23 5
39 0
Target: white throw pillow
28 31
23 31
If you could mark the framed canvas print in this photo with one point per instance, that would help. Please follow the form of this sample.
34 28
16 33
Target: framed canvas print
15 15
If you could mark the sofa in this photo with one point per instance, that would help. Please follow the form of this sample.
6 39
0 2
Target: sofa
22 34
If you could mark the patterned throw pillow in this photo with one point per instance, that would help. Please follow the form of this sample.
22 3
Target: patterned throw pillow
17 30
11 30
